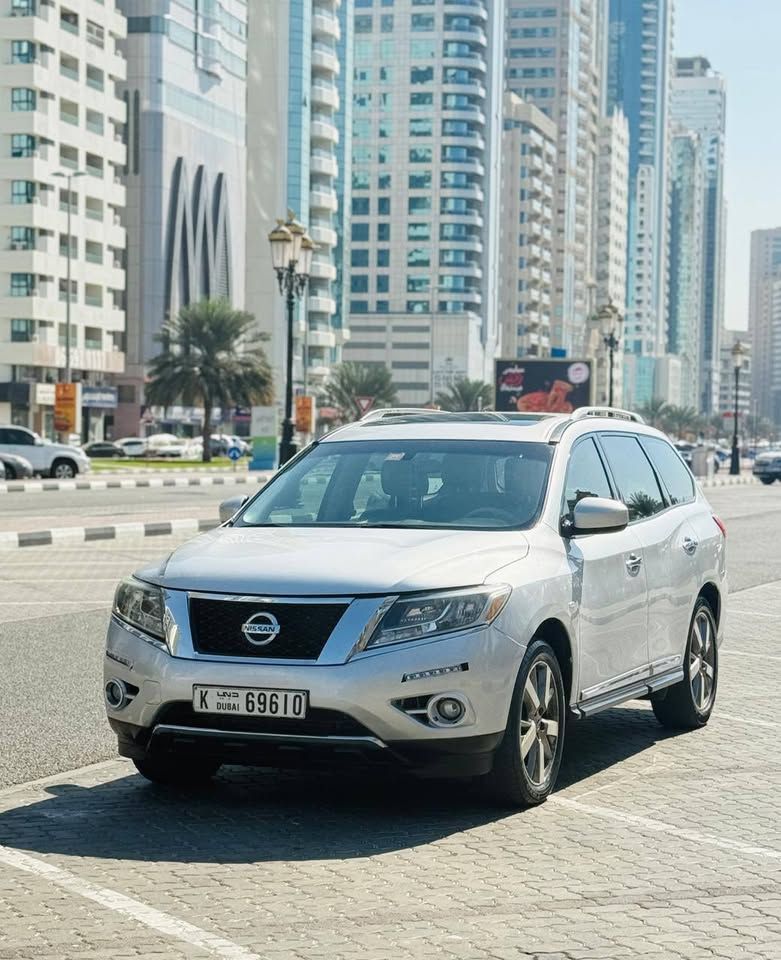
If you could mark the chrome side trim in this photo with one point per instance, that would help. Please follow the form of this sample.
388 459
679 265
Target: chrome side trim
269 737
613 699
667 679
264 598
615 683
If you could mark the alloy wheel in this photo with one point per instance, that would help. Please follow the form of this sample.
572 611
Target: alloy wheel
702 661
63 471
539 723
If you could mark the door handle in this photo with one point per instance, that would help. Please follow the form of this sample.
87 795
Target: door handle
690 546
633 564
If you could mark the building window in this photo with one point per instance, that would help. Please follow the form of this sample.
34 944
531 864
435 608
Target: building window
22 145
422 49
22 238
364 51
418 204
22 284
383 306
383 206
418 231
386 23
418 284
362 155
383 232
421 22
420 181
420 101
359 306
419 257
361 181
420 128
359 258
386 74
22 98
360 232
418 306
363 23
360 206
22 8
420 155
22 51
384 181
421 75
21 331
359 283
383 283
449 178
383 258
22 191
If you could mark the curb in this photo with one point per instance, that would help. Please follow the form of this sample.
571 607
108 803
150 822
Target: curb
155 468
728 481
75 535
38 486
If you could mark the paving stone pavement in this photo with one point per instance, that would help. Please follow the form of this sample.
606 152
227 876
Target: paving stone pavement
655 845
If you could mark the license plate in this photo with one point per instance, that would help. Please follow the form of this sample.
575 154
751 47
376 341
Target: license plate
251 701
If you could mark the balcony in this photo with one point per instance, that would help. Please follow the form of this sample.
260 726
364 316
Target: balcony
323 163
319 304
322 128
323 200
323 270
325 59
325 95
325 24
321 338
324 236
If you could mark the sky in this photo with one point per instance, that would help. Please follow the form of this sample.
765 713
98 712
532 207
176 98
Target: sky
741 40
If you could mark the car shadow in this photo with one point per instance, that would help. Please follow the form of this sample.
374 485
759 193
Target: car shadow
249 815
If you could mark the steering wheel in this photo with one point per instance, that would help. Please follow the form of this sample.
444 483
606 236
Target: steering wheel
491 512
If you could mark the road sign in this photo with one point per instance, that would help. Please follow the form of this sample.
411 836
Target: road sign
234 453
364 403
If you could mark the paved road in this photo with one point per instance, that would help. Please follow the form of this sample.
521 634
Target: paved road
654 845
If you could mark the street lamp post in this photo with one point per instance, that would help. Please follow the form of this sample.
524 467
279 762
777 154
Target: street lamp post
737 357
610 320
68 177
291 258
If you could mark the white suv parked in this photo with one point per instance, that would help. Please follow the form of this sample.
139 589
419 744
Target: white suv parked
47 459
441 591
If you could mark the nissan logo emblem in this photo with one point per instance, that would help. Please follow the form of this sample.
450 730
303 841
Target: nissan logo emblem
261 628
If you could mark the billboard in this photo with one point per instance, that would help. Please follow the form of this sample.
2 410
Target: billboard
67 407
542 385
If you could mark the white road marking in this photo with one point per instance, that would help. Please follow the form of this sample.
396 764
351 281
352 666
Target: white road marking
136 910
737 719
659 826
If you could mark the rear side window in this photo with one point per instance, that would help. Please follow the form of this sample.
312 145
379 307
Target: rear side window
586 476
634 475
674 473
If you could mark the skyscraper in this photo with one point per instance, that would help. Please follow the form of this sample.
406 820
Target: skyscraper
552 61
699 104
685 291
765 322
425 190
185 171
299 102
61 115
639 61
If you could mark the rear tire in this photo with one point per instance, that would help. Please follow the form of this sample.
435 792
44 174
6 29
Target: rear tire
526 763
175 771
689 703
768 480
10 473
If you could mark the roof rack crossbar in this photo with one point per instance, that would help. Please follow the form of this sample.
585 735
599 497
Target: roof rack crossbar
614 413
389 413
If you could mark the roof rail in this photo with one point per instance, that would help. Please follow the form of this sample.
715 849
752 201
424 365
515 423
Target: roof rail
614 413
391 413
383 413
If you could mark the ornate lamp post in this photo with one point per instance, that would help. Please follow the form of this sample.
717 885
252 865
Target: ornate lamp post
610 321
291 258
737 358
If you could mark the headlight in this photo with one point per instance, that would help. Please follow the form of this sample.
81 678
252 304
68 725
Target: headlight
141 605
431 614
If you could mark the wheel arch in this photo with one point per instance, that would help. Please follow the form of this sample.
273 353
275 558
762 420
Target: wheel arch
712 594
64 458
555 634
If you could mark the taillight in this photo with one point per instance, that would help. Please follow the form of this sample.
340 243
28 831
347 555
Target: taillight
720 525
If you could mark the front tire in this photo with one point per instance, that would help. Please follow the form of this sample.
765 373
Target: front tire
10 473
527 760
689 703
768 480
176 771
63 470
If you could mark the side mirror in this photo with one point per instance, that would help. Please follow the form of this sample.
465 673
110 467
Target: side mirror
598 515
38 442
231 506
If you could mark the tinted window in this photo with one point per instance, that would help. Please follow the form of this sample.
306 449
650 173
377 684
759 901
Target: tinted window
675 474
586 476
634 475
408 483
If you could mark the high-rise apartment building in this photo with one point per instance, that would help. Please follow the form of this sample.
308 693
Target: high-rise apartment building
746 403
765 322
699 103
685 289
299 134
185 170
427 118
528 171
552 61
61 115
638 68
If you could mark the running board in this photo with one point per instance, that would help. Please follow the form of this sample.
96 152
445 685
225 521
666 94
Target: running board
605 701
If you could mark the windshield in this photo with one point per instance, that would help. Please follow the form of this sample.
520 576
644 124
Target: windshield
474 484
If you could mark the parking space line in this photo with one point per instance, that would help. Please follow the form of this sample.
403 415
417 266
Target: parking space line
136 910
754 723
659 826
732 652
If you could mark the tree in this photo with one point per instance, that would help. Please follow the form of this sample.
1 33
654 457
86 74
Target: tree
203 363
681 420
654 412
465 394
348 381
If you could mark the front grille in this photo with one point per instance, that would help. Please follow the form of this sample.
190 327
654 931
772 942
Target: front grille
304 628
318 722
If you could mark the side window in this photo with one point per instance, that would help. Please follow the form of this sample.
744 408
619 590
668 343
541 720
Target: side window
586 476
5 436
634 475
675 475
21 437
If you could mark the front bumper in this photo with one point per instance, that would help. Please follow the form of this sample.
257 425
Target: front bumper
354 713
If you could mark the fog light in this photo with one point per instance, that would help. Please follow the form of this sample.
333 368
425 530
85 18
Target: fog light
448 710
116 694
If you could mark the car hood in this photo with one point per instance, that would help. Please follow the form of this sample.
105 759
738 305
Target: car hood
768 457
64 448
310 561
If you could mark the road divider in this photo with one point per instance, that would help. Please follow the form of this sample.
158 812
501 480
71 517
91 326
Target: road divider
64 535
129 483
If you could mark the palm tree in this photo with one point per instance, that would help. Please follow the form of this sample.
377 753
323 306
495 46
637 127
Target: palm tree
203 363
654 412
680 420
348 381
465 394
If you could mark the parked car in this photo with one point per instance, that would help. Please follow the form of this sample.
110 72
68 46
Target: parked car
16 468
133 446
686 450
444 592
767 466
2 471
168 445
104 449
48 459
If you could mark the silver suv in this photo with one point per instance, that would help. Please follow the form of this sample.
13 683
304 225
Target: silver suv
441 591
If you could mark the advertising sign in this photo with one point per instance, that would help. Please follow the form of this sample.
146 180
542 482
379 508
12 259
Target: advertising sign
67 407
305 414
104 398
264 427
542 386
